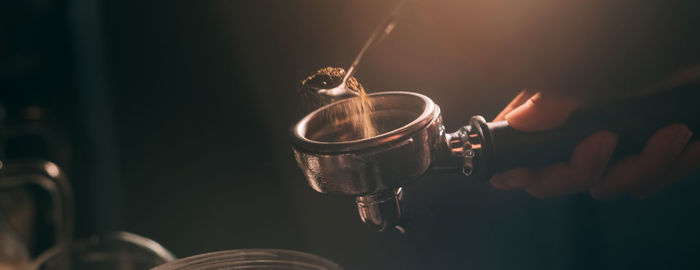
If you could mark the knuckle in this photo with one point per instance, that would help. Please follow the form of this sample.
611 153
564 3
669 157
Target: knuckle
584 178
596 195
599 194
537 193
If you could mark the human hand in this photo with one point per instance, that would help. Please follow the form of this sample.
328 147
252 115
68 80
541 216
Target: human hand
666 157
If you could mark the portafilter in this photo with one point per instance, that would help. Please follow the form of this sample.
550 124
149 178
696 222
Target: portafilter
412 142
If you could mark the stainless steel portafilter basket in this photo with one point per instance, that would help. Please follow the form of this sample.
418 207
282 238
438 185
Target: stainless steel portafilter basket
372 169
412 142
410 127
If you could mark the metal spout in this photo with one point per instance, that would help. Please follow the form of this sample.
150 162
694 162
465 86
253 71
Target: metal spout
382 211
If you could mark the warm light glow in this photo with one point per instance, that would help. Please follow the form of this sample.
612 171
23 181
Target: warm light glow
52 169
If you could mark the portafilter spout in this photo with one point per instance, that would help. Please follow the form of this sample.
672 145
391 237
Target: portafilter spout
412 142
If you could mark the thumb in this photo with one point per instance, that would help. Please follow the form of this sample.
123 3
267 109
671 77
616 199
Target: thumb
541 112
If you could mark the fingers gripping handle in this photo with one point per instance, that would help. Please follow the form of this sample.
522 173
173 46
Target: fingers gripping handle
633 120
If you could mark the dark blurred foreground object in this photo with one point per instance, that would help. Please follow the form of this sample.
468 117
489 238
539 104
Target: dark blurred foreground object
278 259
13 252
21 216
21 183
113 251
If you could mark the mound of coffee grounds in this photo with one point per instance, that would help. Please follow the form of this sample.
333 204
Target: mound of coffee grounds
355 111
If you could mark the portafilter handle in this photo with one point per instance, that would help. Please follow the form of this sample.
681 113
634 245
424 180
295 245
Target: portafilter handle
485 147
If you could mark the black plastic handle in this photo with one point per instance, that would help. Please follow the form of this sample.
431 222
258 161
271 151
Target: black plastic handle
634 120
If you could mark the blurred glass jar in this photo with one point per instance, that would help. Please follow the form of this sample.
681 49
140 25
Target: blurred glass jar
114 251
13 253
20 211
267 259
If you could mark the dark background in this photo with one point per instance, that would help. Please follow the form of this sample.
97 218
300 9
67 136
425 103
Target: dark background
177 117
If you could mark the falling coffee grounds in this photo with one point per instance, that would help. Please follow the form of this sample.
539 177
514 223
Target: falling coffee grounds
353 113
